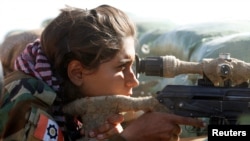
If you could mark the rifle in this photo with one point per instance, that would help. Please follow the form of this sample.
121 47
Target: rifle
221 95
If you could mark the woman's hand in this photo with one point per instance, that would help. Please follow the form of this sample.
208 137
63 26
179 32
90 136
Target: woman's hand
110 128
158 126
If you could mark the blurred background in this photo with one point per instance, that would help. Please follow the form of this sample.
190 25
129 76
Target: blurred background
188 29
30 14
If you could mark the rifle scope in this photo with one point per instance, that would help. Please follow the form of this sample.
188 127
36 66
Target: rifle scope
151 66
166 66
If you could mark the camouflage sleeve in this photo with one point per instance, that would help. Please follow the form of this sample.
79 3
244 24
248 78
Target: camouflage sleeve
23 110
20 119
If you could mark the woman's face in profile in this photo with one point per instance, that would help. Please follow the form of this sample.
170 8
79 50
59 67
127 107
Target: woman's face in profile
115 76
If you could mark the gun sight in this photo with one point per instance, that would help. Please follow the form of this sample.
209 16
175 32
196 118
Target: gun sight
151 66
222 71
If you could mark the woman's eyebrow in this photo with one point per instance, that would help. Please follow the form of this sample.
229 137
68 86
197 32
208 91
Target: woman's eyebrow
125 60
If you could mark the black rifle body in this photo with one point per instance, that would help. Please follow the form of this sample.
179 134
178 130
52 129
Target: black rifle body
221 105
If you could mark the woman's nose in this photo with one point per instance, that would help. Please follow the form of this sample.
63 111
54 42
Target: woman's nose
132 81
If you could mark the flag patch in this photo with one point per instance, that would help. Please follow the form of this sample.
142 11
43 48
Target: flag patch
47 129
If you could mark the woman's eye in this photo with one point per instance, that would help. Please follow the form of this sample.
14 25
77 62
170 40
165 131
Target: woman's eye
122 67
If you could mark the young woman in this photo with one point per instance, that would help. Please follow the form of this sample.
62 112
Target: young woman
81 53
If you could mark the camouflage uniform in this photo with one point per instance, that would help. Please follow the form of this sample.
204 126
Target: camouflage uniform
25 111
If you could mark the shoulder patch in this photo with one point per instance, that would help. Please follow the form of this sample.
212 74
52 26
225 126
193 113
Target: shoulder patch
48 129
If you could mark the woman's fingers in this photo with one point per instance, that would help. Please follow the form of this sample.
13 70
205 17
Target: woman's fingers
115 119
175 137
110 127
177 130
186 120
116 129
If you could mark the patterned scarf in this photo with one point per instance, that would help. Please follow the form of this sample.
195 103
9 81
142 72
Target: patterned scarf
32 61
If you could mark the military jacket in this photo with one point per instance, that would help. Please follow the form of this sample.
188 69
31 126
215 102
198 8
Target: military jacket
24 113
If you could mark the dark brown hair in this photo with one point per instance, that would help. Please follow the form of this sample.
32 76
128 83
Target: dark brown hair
90 36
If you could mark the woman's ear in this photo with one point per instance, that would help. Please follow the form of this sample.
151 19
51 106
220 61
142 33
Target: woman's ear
75 72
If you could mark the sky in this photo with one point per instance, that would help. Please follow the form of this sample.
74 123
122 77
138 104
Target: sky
29 14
